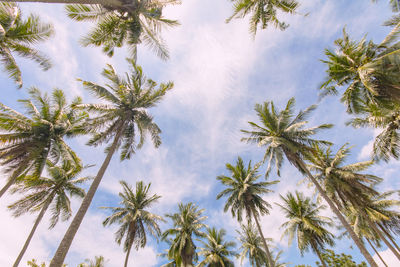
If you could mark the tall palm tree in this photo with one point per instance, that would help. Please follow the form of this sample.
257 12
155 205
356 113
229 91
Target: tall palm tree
251 243
263 12
134 219
122 114
306 224
17 36
132 24
216 251
48 192
188 222
28 141
245 195
369 71
284 135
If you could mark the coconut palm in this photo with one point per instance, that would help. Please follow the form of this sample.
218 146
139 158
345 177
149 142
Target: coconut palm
28 141
131 24
188 222
369 71
17 36
284 135
263 12
48 192
251 243
216 251
306 224
134 218
172 262
245 195
121 115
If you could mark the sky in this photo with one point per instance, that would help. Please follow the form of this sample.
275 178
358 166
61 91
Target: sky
220 72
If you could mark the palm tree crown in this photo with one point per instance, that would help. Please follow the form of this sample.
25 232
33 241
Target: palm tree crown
132 24
17 36
133 217
251 246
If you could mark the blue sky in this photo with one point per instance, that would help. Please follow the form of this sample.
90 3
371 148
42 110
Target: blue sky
219 72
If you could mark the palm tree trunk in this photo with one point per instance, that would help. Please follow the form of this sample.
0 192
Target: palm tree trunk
65 244
127 253
320 258
86 2
335 210
389 236
376 252
381 236
28 240
10 182
270 261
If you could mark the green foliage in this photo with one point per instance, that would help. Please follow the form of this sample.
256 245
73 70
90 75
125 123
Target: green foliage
98 261
251 246
140 22
17 36
343 260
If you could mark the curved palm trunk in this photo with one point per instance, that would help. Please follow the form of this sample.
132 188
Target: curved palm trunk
85 2
376 252
8 185
389 236
127 254
28 240
338 214
270 261
65 244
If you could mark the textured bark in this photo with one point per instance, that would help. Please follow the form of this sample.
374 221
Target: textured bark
86 2
336 211
376 252
270 261
28 240
66 242
127 253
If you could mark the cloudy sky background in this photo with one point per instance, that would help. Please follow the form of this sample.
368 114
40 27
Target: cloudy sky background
219 72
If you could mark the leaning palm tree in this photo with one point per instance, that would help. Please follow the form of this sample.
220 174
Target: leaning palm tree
306 224
134 23
122 114
263 12
368 71
48 192
216 251
28 141
17 36
134 218
188 222
251 243
284 135
245 195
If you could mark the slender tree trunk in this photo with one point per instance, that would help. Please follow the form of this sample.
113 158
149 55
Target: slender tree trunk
320 258
389 236
65 244
127 253
387 243
11 181
335 210
376 252
270 261
86 2
28 240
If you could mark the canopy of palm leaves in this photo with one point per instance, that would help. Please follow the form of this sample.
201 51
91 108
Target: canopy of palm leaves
133 217
124 107
17 36
188 222
133 23
251 246
343 183
28 141
263 12
98 261
305 223
244 194
216 251
368 71
283 134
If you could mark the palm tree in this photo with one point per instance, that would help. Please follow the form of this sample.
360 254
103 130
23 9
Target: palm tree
133 217
369 71
98 261
132 24
172 262
28 141
244 195
17 36
263 12
48 192
251 243
186 223
284 135
306 224
216 251
118 119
